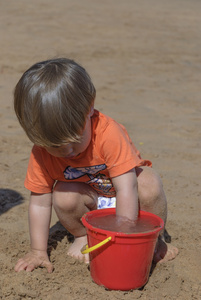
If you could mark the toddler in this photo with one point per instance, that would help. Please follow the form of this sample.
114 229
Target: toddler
81 160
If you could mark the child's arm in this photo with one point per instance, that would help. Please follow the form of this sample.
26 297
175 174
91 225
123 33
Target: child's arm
40 208
126 195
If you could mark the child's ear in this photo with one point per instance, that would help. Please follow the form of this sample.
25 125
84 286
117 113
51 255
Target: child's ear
91 112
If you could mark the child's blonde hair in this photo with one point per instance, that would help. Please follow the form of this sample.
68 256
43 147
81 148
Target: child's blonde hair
52 100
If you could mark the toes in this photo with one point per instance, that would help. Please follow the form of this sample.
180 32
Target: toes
164 252
170 255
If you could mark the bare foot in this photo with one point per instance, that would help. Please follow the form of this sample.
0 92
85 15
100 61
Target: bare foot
74 249
164 252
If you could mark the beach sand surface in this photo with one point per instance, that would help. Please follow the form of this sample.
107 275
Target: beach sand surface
144 59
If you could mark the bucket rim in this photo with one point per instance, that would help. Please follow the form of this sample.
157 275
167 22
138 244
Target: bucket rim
109 211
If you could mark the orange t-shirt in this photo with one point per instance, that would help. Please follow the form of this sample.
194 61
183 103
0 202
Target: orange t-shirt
110 153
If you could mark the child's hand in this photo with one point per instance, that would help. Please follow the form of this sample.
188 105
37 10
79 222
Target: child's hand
125 225
33 260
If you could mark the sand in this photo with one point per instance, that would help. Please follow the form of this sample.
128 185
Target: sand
144 59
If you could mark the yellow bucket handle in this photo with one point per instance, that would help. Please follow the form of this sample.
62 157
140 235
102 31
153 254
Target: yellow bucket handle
86 249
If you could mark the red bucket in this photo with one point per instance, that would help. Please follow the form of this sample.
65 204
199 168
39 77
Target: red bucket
120 261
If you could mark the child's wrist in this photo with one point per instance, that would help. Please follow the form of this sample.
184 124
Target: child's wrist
38 251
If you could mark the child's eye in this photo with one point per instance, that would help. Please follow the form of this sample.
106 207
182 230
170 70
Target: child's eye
55 146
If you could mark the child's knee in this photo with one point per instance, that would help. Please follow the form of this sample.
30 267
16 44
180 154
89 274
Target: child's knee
64 196
70 196
150 188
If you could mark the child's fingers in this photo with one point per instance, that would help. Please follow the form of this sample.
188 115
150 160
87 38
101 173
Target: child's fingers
30 265
21 265
48 266
18 265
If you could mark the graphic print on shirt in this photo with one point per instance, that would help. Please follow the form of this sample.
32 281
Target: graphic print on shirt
98 181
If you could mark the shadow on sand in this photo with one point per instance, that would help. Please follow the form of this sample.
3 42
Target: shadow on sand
8 199
56 234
